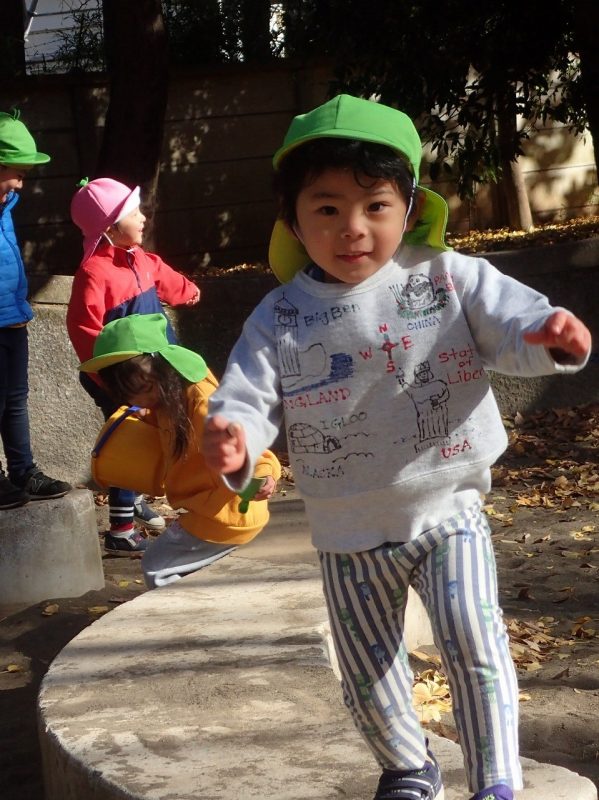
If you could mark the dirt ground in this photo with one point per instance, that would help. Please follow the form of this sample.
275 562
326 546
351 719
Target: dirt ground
543 513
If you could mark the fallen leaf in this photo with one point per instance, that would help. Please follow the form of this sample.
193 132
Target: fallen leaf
580 536
430 695
532 666
98 609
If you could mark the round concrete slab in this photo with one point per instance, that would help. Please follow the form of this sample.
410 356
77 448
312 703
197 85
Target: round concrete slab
219 686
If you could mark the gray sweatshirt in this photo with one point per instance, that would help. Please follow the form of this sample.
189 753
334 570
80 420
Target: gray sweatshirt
391 422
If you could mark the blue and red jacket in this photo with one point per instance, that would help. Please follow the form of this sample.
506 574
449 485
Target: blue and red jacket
114 283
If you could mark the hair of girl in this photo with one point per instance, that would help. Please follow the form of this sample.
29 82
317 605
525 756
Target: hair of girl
127 378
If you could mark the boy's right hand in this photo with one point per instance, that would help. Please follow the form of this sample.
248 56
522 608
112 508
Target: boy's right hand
224 445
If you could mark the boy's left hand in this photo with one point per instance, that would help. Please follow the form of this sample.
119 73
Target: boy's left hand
564 332
267 489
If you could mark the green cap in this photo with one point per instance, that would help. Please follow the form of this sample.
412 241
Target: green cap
139 334
347 117
17 145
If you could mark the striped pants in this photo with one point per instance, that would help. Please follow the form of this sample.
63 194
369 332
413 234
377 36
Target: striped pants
452 567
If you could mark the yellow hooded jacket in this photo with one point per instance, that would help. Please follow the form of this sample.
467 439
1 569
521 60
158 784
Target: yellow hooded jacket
212 509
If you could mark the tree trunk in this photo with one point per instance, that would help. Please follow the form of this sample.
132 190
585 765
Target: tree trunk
12 42
511 183
255 30
586 25
136 56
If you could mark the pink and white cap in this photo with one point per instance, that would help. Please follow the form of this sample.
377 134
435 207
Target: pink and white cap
99 204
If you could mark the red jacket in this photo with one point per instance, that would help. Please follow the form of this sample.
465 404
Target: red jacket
116 282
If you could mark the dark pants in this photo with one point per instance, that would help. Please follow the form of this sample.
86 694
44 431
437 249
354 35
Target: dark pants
120 501
14 388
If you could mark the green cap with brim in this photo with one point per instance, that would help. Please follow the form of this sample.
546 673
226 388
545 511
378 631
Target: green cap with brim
140 334
347 117
17 145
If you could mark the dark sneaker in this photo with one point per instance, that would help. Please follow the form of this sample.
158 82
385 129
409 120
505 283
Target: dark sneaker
146 516
125 545
414 784
11 496
40 487
497 792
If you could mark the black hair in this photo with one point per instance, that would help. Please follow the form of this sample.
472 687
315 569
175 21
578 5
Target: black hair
364 159
138 374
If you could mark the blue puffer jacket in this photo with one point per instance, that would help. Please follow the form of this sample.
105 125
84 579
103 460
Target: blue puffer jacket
14 307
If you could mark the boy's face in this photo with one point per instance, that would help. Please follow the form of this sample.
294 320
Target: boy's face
129 231
11 178
349 230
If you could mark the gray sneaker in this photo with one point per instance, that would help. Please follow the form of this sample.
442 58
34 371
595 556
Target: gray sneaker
414 784
125 545
146 516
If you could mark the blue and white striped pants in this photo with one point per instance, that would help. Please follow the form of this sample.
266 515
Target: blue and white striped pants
452 567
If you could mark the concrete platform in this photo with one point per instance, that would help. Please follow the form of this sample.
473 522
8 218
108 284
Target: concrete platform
50 548
220 686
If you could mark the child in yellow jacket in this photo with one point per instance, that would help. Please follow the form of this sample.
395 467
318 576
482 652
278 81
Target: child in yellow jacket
171 385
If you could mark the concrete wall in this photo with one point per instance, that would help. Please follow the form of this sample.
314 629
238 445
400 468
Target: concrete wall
64 421
215 205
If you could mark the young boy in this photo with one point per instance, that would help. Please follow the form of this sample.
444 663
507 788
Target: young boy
116 278
25 481
375 355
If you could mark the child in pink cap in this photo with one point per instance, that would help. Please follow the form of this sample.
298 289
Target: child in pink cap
116 278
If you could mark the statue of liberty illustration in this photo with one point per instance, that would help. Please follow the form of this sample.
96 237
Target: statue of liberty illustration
429 396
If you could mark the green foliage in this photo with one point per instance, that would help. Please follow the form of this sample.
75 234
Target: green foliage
476 75
82 47
200 32
466 70
195 31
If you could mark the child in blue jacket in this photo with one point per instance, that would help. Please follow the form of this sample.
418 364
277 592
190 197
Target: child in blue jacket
25 481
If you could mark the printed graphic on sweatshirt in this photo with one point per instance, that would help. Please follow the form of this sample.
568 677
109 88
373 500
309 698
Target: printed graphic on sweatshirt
303 371
360 398
419 297
460 365
307 439
430 397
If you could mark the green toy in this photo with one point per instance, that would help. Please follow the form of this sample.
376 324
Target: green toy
249 493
